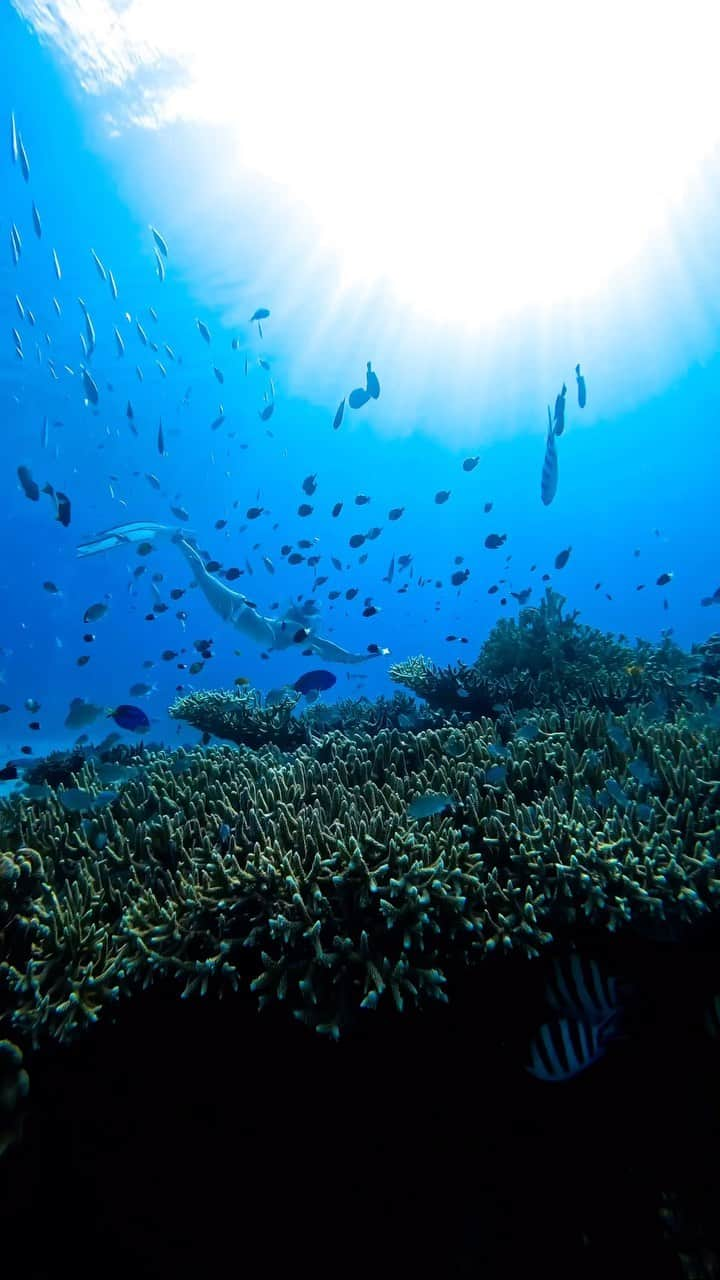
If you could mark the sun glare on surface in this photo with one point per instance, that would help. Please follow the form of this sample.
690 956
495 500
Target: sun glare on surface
474 158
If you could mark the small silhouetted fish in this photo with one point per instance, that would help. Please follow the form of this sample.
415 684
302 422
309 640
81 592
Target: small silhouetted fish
442 495
470 463
337 509
339 414
95 612
81 713
132 718
252 513
267 411
304 509
159 241
144 548
562 558
262 313
426 806
161 440
217 422
372 385
663 580
90 386
395 513
29 487
460 576
36 220
559 414
356 540
152 480
581 389
62 504
309 485
51 588
495 540
314 681
549 478
496 776
523 596
180 513
140 690
22 154
76 799
358 398
204 331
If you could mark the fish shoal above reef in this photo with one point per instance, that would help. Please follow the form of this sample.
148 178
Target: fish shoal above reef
307 880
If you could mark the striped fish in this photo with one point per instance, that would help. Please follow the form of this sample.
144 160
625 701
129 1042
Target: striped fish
580 990
549 481
565 1047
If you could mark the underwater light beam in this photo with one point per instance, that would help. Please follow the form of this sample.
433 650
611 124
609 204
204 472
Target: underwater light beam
476 160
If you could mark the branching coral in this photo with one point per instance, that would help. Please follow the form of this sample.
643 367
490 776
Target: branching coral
309 879
240 716
546 658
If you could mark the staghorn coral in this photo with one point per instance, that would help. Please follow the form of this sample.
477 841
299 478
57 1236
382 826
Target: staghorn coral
361 715
546 658
56 769
238 715
308 880
460 688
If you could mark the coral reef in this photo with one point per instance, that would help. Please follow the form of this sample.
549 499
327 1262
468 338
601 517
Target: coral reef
706 660
307 879
546 658
238 715
56 769
363 715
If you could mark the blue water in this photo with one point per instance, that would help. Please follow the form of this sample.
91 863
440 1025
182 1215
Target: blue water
639 465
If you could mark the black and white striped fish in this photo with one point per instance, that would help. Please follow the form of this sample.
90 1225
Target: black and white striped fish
566 1046
579 989
549 481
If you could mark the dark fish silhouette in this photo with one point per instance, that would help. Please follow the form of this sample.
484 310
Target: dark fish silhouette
315 681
